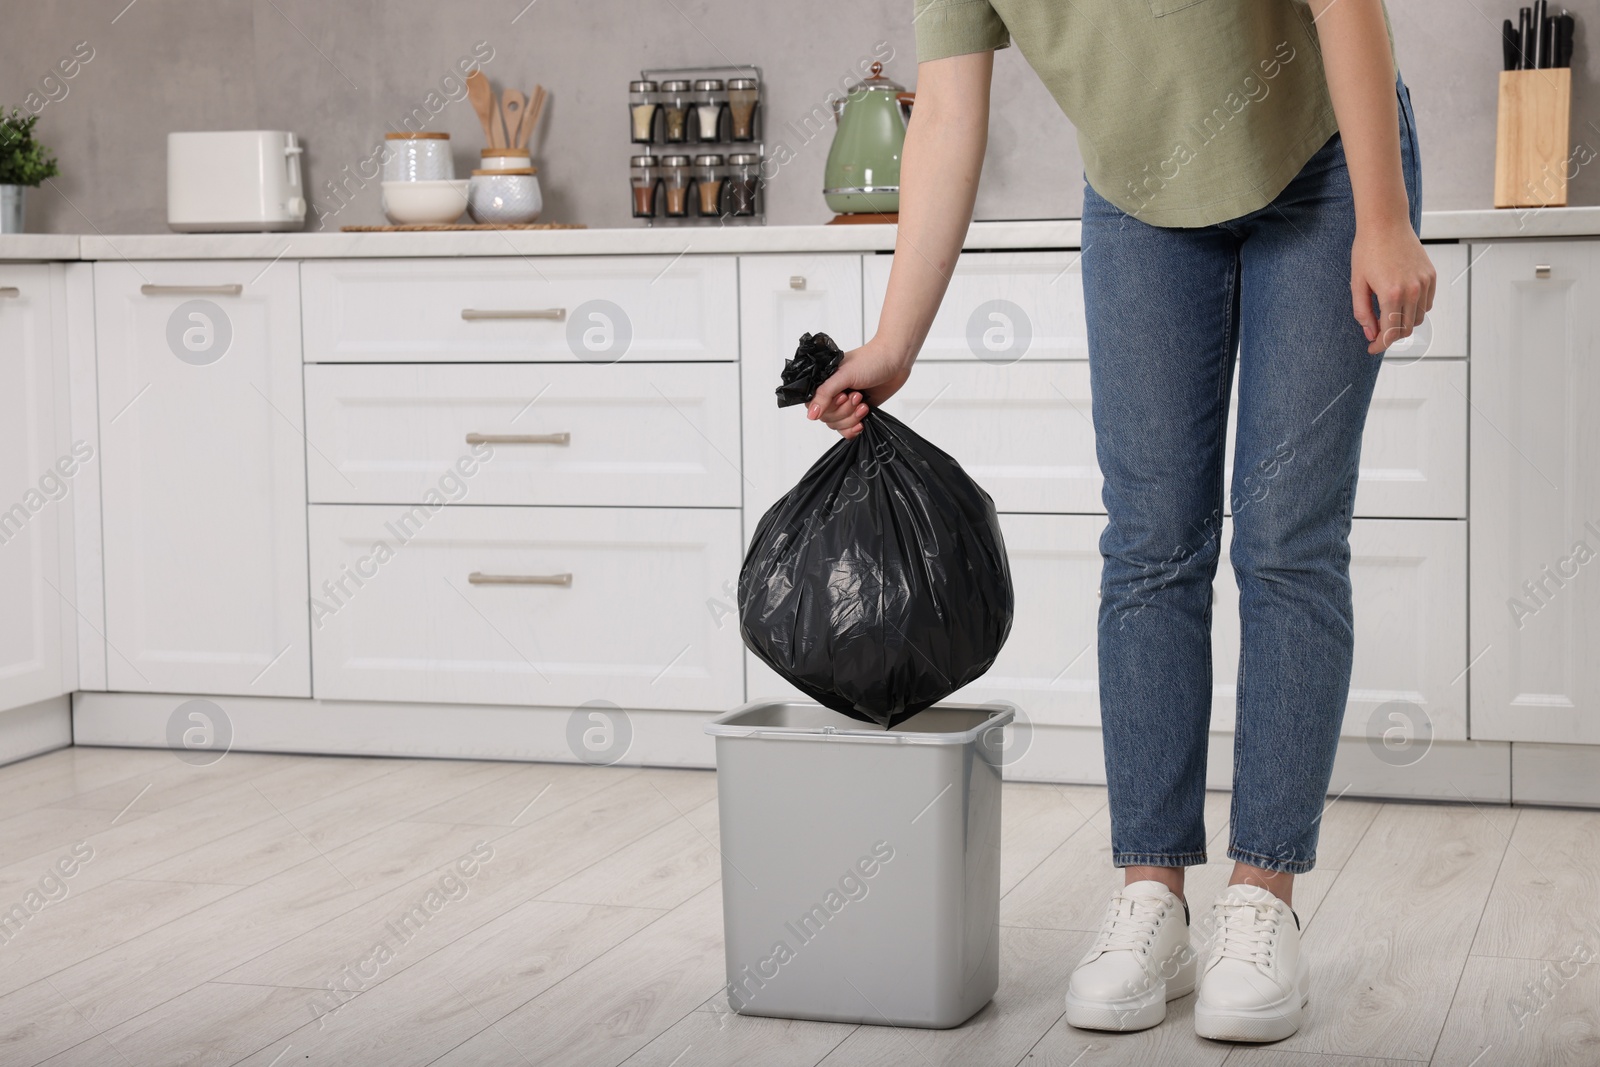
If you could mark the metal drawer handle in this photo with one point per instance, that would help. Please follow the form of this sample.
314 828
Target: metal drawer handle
553 314
10 290
1541 270
191 290
479 578
562 438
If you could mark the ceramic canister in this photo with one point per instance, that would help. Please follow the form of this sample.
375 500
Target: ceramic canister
504 196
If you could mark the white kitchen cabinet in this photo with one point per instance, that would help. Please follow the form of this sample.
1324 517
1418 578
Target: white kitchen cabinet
643 434
1443 334
1000 307
204 477
1410 622
34 492
568 309
1024 431
1535 571
525 605
780 298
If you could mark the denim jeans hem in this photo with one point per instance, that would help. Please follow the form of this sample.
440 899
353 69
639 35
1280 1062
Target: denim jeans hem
1158 859
1268 863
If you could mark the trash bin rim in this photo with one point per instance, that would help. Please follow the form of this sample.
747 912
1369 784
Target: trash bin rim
724 725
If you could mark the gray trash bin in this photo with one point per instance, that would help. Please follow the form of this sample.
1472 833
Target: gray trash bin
860 867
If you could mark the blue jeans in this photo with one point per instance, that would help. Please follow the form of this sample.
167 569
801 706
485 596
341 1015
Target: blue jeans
1167 311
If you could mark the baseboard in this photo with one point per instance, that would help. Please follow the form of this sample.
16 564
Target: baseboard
1478 771
1567 775
35 728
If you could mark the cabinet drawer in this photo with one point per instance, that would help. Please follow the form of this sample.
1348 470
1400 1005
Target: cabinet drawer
1414 447
1001 307
397 615
1024 431
642 434
1444 332
1410 586
590 309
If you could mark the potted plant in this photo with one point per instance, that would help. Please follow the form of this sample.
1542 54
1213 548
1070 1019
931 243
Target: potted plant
23 162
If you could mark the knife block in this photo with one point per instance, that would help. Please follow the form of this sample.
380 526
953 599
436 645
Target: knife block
1531 138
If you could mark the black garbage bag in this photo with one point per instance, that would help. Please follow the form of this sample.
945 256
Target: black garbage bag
879 585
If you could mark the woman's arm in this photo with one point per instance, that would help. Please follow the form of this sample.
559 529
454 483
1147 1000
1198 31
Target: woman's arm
939 170
1387 261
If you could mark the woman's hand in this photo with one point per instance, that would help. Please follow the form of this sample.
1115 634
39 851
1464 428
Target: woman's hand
1388 262
872 373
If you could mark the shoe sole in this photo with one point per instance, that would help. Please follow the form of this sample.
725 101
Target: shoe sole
1271 1022
1131 1013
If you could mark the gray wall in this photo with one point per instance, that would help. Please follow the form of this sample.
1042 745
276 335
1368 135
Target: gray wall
342 72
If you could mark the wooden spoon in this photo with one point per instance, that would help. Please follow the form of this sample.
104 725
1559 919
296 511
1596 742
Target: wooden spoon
482 97
535 109
514 106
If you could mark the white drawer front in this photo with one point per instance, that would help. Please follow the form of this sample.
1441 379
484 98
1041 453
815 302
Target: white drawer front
1048 667
590 309
635 626
641 434
1410 581
1001 307
1414 448
1024 432
1444 332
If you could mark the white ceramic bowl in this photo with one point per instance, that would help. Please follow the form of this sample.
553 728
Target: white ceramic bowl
504 198
416 203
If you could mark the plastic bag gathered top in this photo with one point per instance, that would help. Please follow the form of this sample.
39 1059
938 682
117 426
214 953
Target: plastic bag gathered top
879 584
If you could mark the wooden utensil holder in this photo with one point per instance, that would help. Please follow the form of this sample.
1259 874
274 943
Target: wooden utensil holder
1531 138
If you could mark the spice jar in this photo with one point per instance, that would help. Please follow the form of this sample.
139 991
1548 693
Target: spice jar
675 178
675 108
642 103
743 94
642 173
708 102
743 182
708 179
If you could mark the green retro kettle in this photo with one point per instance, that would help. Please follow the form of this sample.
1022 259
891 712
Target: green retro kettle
863 172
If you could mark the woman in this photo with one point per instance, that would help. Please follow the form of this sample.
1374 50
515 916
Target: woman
1252 187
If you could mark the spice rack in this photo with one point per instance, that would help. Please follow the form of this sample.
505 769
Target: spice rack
698 152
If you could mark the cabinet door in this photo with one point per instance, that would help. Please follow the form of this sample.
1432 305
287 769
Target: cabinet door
1023 431
525 605
1535 509
780 298
204 478
33 492
1000 307
1409 579
1048 667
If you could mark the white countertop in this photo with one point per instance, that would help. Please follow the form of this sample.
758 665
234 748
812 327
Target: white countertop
678 240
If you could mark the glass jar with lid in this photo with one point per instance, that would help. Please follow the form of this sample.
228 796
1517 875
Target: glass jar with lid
743 95
709 100
743 182
642 103
708 174
643 176
675 178
676 107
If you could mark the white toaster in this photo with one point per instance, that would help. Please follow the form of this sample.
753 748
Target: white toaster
234 181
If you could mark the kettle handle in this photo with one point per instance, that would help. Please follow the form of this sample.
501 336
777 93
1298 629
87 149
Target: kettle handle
905 100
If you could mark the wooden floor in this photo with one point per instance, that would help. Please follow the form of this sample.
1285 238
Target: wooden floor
211 913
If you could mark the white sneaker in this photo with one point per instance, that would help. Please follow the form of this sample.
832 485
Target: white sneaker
1254 981
1140 960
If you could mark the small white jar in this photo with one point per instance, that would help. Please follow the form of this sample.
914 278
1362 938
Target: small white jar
505 159
504 197
418 157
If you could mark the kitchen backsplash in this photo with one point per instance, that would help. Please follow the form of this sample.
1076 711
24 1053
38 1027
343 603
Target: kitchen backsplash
340 74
